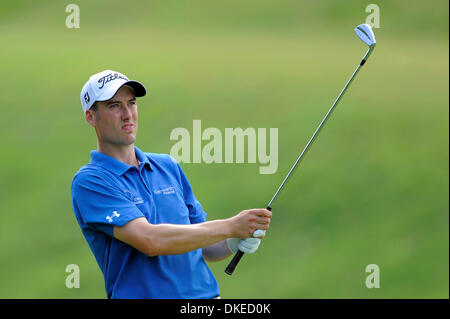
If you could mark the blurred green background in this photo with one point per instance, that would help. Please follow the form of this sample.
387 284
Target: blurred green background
372 190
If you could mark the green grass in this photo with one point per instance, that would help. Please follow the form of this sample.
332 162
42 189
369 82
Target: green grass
373 188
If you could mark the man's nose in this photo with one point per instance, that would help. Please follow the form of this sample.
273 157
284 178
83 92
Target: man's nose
126 113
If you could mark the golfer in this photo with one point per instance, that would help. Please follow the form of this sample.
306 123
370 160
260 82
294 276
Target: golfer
137 210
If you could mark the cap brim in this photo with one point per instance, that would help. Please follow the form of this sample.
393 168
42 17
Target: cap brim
138 88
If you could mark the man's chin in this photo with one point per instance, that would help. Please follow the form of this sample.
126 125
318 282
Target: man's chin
129 140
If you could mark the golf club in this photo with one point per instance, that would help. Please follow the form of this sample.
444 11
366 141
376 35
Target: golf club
365 33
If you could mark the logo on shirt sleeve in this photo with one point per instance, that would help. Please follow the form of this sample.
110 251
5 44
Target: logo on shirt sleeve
114 214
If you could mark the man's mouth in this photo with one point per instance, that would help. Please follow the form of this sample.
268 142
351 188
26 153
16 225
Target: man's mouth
128 127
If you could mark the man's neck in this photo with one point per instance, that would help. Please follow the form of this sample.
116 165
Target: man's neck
125 154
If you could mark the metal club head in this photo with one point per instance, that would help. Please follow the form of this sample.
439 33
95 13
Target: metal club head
365 33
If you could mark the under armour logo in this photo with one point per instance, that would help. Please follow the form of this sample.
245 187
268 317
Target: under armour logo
110 218
87 98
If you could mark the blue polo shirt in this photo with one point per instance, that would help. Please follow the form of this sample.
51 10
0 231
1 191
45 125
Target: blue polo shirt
107 193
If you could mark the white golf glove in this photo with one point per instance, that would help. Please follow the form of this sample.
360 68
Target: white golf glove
248 245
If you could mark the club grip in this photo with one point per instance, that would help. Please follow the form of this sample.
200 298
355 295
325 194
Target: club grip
237 257
233 263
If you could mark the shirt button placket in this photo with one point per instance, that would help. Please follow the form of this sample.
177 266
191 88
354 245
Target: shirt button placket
153 206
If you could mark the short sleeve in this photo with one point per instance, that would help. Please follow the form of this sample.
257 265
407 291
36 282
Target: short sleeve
100 205
196 213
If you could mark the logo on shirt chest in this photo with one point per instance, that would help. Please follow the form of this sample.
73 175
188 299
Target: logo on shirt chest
165 191
134 198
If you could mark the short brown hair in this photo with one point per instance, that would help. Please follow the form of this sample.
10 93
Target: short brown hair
94 107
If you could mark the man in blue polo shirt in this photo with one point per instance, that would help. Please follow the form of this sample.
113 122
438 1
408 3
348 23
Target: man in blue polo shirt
137 210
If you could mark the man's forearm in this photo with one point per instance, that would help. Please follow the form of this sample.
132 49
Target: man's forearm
217 251
170 239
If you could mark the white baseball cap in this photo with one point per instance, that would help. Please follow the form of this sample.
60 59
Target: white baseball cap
104 85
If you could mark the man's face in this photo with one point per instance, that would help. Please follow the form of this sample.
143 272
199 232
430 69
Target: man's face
115 120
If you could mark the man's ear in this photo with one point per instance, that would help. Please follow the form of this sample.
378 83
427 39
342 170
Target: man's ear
90 117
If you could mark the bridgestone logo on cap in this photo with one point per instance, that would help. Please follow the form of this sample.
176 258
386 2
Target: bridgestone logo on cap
110 77
87 98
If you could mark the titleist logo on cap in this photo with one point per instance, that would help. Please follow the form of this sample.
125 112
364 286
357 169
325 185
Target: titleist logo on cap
110 77
104 85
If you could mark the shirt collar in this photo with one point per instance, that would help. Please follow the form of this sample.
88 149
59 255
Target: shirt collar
143 159
117 166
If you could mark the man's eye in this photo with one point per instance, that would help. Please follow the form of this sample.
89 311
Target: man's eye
114 105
